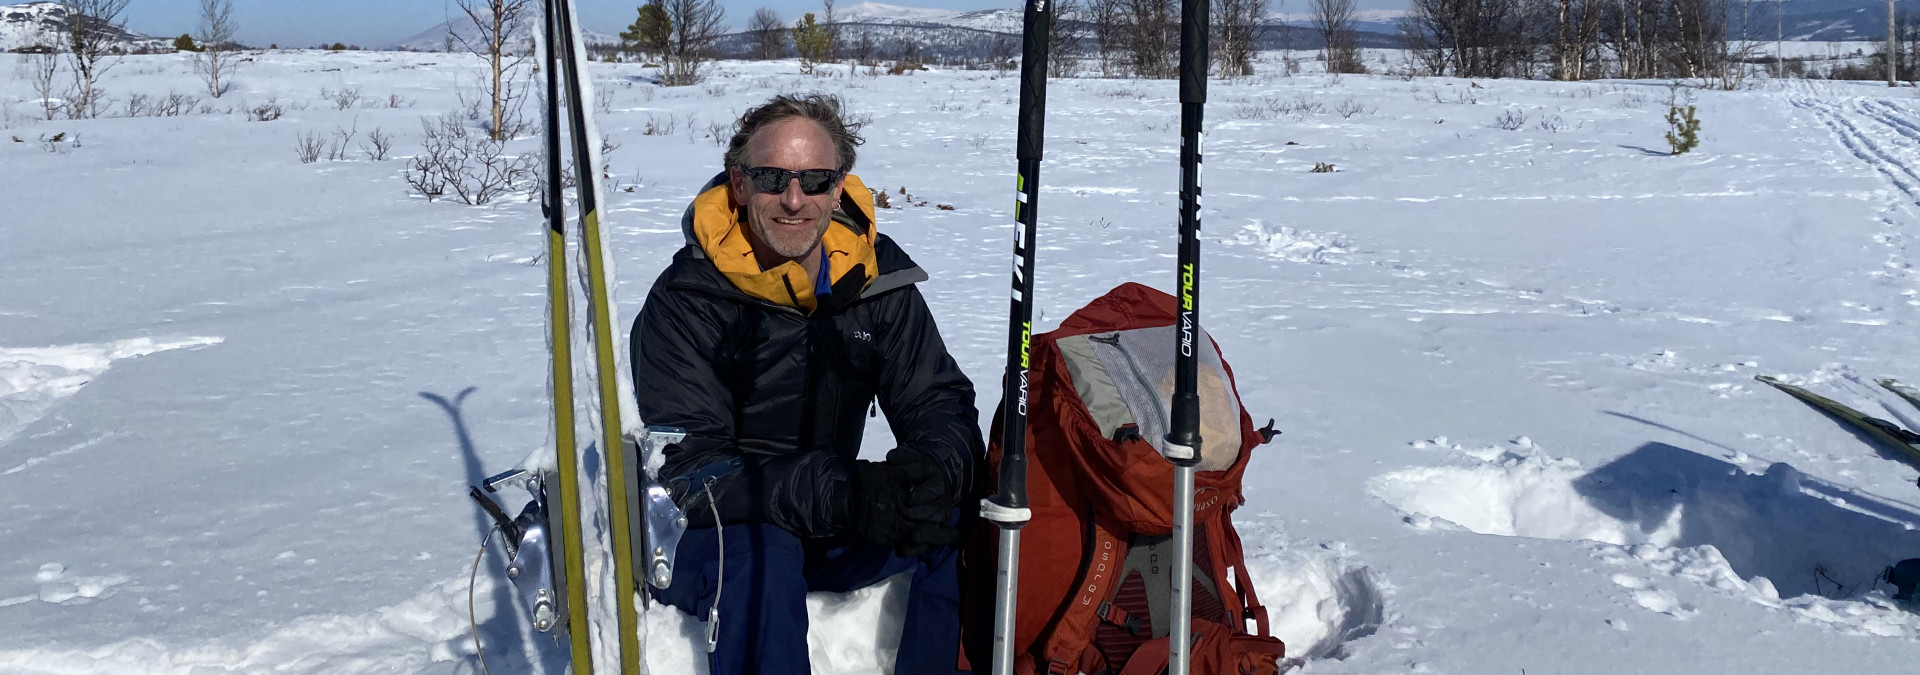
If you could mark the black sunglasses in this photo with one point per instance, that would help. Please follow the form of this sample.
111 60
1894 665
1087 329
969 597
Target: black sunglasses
775 180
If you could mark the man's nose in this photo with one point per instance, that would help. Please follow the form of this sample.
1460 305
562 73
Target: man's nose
793 197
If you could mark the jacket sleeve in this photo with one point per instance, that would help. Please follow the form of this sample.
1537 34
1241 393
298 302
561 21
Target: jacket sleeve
675 344
928 400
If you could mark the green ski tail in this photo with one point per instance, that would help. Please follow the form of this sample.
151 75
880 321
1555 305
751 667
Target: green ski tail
1906 391
1886 432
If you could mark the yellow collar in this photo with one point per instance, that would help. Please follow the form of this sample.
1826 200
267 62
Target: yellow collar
718 228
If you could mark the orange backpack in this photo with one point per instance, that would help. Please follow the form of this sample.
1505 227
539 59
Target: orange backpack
1096 557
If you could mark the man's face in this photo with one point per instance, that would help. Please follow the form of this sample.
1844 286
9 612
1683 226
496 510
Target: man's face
789 222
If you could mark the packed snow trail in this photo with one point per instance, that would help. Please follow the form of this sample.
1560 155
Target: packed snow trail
291 498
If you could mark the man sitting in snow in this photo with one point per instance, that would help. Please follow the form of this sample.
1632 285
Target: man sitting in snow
769 338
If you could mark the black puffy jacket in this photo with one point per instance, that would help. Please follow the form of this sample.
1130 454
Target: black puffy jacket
774 398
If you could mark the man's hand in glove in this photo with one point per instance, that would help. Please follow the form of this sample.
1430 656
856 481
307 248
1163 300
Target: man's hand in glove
905 502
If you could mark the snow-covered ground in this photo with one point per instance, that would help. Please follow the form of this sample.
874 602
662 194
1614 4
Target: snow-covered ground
241 397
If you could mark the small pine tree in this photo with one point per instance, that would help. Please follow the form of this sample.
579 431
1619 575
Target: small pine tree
651 34
184 43
338 47
1683 132
813 41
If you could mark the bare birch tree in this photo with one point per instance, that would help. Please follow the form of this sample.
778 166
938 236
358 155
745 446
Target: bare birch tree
496 24
94 32
1236 35
1152 34
769 33
1334 20
696 25
1104 16
43 66
1063 38
215 60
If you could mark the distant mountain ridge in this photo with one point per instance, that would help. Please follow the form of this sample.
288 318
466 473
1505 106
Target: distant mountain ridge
23 26
436 39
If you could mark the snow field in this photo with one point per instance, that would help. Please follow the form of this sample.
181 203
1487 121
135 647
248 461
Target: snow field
289 497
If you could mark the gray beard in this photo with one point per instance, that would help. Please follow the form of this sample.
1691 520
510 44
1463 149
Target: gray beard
787 249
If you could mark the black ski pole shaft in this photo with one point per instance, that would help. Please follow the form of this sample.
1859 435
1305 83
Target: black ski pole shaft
1008 508
1183 442
573 571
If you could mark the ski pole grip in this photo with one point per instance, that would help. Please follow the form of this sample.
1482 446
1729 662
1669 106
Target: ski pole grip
1008 509
1182 446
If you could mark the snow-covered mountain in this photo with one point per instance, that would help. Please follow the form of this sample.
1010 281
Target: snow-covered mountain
25 25
1005 20
437 38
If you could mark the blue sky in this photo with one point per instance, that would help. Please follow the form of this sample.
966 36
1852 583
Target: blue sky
305 23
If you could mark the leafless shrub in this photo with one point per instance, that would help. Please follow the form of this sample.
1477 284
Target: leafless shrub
266 112
1322 167
59 143
1346 109
1513 119
398 101
603 98
342 141
475 168
175 105
1552 124
720 133
343 99
1252 111
377 144
137 106
310 146
1298 107
659 127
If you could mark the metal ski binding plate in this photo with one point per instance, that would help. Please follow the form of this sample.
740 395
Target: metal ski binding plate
530 545
663 519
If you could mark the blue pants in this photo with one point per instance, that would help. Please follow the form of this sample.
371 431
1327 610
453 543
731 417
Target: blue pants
763 597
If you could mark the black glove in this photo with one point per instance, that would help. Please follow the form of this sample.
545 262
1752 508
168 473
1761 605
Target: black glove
905 502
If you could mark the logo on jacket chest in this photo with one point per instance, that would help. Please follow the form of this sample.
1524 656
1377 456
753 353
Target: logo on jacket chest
861 335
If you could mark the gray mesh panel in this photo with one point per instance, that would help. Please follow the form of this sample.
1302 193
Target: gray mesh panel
1140 362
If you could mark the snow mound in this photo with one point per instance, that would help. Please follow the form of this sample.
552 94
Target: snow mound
1295 245
1681 515
1318 602
33 379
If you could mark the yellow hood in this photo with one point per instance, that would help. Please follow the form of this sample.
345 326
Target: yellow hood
718 228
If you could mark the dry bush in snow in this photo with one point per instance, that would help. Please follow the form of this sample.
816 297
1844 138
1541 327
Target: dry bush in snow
474 168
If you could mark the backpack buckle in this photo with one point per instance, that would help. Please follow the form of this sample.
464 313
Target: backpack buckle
1126 432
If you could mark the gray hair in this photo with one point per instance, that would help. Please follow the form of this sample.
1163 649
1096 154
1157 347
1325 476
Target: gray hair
821 109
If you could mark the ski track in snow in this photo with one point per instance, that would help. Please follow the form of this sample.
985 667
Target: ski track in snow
34 379
1886 138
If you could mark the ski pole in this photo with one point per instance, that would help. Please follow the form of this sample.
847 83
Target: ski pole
1008 508
1183 437
573 572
